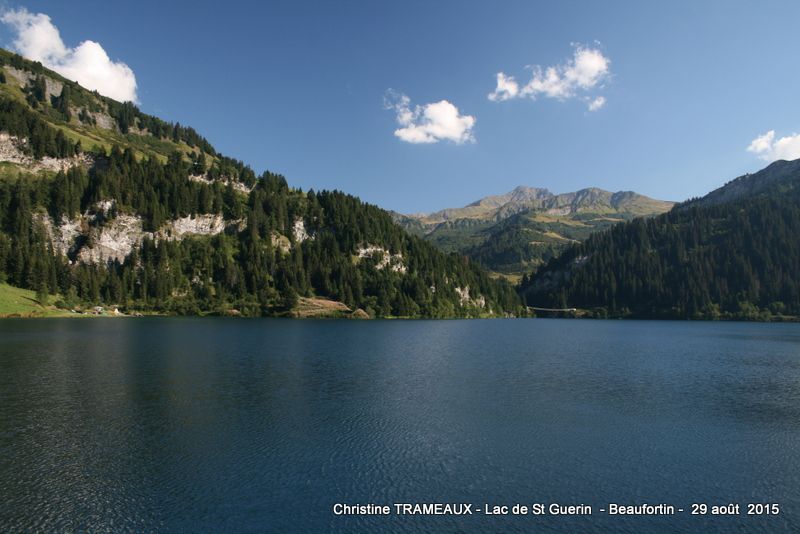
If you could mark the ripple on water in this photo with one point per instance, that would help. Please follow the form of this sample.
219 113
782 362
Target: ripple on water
185 424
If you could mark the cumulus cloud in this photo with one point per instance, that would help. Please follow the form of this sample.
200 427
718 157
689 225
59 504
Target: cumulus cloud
587 69
88 63
768 148
429 123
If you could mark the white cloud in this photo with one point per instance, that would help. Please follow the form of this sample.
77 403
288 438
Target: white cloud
430 123
586 70
88 64
597 103
767 148
507 88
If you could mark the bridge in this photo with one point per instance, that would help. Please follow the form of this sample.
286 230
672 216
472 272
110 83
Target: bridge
553 309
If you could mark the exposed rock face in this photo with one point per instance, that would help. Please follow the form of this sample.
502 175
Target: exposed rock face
101 208
299 231
104 120
62 236
206 224
463 294
299 234
393 261
204 179
89 238
113 241
22 77
10 151
467 300
53 88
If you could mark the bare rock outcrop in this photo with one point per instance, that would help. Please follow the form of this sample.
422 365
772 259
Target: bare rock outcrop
97 237
204 179
11 150
23 77
205 224
467 300
62 236
299 231
385 259
113 241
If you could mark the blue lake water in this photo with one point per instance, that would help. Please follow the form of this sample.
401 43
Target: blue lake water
263 425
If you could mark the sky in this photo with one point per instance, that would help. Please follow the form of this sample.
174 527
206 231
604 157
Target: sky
418 105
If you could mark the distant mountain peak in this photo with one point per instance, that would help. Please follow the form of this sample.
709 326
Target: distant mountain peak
522 198
515 231
522 192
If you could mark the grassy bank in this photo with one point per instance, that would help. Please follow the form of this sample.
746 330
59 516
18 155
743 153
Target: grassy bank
16 302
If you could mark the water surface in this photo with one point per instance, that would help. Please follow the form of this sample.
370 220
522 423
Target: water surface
233 424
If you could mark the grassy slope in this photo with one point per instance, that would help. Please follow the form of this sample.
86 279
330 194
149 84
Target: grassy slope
535 227
22 302
89 136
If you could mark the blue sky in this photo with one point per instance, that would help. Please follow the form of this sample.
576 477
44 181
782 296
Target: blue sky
301 88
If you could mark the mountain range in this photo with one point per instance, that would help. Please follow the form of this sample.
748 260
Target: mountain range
517 231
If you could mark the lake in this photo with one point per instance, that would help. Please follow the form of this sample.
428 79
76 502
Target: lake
265 424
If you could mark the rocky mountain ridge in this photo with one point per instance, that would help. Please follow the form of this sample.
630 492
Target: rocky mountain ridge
516 231
524 198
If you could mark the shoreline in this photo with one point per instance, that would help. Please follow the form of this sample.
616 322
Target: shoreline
289 316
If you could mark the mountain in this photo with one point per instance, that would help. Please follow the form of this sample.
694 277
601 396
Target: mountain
104 205
778 174
523 228
731 254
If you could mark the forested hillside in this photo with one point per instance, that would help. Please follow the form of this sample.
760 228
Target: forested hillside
708 258
104 205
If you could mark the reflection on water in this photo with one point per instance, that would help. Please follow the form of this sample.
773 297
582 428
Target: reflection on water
216 424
